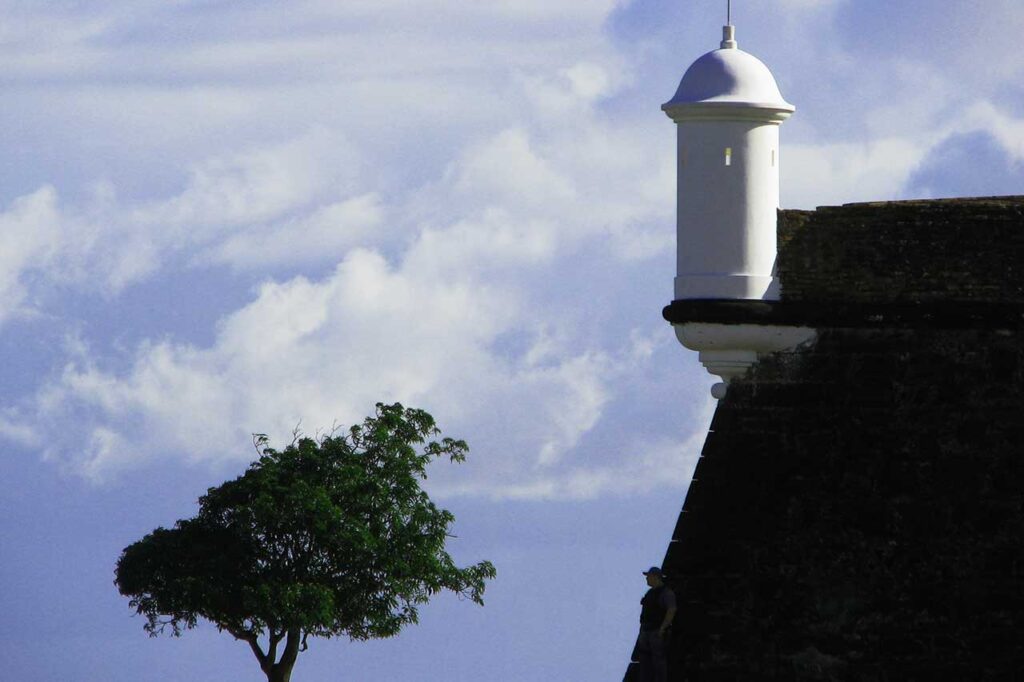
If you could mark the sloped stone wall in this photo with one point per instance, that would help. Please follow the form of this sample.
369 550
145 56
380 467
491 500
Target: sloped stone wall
857 513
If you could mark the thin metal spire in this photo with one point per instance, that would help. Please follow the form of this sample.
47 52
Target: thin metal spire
728 31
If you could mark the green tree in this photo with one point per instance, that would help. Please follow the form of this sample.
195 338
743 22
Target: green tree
328 537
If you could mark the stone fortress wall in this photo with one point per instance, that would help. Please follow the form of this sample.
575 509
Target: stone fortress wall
858 509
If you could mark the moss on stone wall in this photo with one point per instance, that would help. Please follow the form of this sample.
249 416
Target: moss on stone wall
858 511
907 251
858 515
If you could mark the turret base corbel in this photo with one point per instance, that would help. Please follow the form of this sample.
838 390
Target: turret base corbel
729 350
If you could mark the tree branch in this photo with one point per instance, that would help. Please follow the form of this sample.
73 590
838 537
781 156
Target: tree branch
275 637
249 637
265 663
259 442
291 648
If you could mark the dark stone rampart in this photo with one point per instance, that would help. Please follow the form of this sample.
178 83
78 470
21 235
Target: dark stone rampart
858 509
905 251
858 514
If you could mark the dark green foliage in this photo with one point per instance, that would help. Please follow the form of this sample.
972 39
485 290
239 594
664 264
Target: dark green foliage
324 538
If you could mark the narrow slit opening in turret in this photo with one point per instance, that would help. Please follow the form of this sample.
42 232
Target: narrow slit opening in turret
728 156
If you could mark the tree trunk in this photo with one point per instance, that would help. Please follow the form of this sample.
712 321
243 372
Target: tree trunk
282 670
280 673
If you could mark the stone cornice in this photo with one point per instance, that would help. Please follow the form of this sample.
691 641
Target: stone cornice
845 314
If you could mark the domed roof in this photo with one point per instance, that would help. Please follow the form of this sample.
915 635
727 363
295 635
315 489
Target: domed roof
731 78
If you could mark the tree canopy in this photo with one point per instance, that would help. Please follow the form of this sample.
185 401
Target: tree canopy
328 537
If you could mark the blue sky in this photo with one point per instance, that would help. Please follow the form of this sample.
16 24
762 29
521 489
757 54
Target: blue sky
220 217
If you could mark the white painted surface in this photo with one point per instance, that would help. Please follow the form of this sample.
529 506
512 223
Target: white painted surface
726 214
727 109
731 77
729 350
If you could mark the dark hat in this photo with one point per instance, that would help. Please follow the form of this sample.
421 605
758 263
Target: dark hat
654 570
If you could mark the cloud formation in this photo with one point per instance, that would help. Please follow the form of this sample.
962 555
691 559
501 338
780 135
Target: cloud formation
463 207
446 295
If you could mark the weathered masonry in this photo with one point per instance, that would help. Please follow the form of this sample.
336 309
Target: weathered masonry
858 509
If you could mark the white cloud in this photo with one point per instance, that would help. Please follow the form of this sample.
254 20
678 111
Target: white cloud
325 351
292 203
14 428
805 5
320 236
448 295
254 186
589 11
647 466
426 328
827 174
258 194
577 407
880 167
142 40
30 236
505 170
1007 129
575 181
589 81
474 172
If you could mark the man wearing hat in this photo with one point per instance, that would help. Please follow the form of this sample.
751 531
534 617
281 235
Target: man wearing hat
657 609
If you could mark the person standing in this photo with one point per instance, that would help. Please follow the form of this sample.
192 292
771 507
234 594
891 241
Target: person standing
657 609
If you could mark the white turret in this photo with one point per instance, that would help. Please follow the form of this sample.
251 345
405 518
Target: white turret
727 109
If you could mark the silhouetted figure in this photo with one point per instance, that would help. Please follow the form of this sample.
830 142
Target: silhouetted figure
658 607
